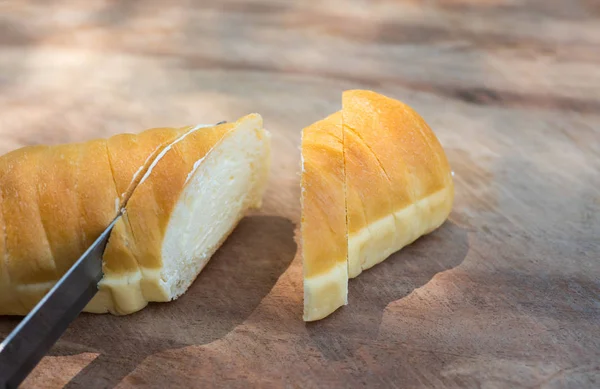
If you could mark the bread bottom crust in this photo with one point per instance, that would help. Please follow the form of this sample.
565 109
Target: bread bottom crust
374 243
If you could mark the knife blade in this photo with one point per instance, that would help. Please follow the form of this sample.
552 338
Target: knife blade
35 335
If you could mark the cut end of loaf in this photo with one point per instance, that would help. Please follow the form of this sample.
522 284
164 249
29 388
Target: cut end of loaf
230 179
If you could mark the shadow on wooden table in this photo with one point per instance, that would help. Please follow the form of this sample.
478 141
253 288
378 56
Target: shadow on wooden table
342 333
232 285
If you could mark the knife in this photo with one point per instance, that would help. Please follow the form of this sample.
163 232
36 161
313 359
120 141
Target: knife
35 335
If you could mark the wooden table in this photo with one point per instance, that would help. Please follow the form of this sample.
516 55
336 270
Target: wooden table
505 294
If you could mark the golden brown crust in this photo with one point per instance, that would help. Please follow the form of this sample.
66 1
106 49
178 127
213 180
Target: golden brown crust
97 207
130 156
394 166
324 246
42 225
392 139
323 214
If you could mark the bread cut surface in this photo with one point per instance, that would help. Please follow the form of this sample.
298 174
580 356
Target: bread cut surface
397 186
56 200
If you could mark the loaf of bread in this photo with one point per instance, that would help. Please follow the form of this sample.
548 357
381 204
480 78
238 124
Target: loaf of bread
183 191
397 186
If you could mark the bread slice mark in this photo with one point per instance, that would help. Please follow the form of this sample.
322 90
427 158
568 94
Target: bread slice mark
166 149
44 228
39 215
379 163
370 242
112 174
122 201
142 173
355 132
141 170
364 244
119 199
96 161
82 241
403 234
124 197
194 168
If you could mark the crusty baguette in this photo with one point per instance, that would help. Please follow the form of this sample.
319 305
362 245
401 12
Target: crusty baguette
184 190
323 228
397 187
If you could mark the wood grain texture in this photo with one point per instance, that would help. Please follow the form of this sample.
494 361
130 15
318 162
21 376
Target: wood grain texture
506 294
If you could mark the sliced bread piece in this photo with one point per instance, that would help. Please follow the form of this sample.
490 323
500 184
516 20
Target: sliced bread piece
323 227
382 158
